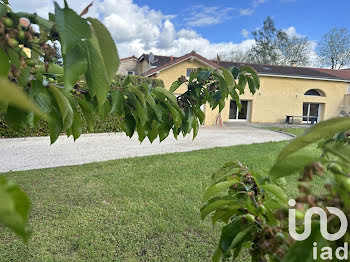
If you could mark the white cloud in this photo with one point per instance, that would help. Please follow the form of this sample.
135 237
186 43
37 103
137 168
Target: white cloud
140 29
245 33
250 11
208 15
247 11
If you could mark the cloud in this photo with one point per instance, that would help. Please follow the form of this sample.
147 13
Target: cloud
245 33
139 29
254 5
247 11
208 15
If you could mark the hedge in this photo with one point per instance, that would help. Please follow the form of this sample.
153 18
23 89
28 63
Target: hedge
108 125
138 80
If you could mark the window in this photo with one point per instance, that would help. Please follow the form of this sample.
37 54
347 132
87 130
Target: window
130 72
311 112
312 92
189 70
235 114
348 89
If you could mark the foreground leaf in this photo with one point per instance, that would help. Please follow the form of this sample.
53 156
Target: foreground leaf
316 133
14 208
13 95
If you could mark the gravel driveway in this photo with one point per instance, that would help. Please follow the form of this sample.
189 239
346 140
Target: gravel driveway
36 152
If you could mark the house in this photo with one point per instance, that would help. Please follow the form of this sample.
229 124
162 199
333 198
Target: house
315 93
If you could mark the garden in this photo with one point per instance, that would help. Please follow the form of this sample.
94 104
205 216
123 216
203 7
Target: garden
221 204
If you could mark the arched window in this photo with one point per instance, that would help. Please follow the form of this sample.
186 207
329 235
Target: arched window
314 92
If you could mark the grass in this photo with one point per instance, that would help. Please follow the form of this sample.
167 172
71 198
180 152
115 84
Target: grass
292 130
137 209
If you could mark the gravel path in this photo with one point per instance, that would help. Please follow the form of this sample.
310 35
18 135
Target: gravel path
36 152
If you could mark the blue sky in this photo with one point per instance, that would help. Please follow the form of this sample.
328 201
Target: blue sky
310 17
208 27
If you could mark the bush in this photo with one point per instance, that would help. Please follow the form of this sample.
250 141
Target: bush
138 80
108 125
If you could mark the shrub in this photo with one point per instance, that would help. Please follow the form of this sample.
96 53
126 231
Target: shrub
108 125
138 80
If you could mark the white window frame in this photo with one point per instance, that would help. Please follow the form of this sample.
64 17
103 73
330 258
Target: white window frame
348 91
127 72
237 113
308 112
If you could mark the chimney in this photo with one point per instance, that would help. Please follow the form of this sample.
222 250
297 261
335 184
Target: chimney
172 58
293 63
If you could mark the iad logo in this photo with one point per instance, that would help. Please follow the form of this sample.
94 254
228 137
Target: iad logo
326 251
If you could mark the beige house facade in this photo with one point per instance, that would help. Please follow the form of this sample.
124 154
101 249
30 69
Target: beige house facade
305 95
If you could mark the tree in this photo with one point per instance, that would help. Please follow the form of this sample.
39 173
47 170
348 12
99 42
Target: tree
34 88
237 56
296 49
274 46
334 48
266 50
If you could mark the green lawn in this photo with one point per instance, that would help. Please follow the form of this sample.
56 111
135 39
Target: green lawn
137 209
292 130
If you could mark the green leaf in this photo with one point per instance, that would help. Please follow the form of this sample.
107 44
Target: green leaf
157 110
277 192
203 75
71 27
118 102
64 106
13 95
55 125
253 74
40 96
228 77
96 76
136 91
166 93
251 85
140 110
217 255
3 10
14 57
16 118
219 202
14 208
128 125
24 76
195 126
235 96
51 69
75 65
199 113
77 126
230 232
107 46
153 132
4 61
314 134
216 188
293 164
175 86
88 112
175 115
341 150
235 72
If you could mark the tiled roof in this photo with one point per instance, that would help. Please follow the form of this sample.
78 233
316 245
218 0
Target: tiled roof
180 59
159 60
128 58
163 62
24 22
291 71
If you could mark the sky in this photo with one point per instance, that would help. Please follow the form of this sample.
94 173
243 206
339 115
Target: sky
207 27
